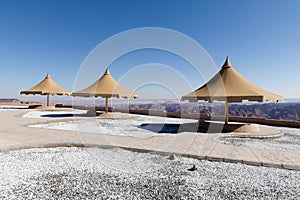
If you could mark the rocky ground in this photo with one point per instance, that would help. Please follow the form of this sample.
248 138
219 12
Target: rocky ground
96 173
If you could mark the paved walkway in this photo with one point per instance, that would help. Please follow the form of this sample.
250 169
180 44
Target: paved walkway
15 134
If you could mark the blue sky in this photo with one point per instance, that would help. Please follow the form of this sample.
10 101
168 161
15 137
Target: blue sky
262 38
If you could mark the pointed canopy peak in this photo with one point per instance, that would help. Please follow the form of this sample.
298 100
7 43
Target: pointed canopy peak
107 72
106 86
46 86
227 63
48 76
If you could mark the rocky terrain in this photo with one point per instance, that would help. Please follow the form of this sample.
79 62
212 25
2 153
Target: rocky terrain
278 111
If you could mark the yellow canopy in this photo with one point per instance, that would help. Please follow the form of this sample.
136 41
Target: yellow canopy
106 87
47 87
230 86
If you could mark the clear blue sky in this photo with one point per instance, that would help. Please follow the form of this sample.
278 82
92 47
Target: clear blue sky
262 38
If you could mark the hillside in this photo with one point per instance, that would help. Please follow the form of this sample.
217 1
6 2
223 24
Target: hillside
278 111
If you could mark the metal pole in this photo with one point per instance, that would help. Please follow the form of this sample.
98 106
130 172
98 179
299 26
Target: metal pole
48 99
226 111
106 104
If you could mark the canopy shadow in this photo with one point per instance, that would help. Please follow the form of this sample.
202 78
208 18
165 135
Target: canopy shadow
197 127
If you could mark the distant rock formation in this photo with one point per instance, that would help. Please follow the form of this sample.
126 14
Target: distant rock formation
277 111
7 100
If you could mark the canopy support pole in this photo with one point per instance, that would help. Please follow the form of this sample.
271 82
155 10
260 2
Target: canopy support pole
106 104
48 97
226 111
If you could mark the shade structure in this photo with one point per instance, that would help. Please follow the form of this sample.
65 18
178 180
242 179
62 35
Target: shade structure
106 87
47 87
230 86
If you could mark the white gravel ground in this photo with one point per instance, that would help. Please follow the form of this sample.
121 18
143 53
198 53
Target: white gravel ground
95 173
130 126
289 142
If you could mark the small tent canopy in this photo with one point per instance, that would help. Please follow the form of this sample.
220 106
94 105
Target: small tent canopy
46 87
106 87
230 86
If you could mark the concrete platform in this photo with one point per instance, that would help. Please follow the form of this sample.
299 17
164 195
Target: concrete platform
114 115
15 134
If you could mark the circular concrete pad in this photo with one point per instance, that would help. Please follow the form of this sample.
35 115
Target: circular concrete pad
240 130
255 131
115 115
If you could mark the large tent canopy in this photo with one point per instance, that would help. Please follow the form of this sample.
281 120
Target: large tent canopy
230 86
46 87
106 87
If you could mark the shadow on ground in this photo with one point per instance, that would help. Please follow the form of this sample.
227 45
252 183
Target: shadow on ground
200 127
66 115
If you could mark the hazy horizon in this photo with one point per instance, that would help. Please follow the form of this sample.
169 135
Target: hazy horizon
69 100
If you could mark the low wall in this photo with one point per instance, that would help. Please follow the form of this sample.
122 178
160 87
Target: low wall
270 122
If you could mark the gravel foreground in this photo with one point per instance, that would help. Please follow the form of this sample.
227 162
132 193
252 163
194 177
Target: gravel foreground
97 173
